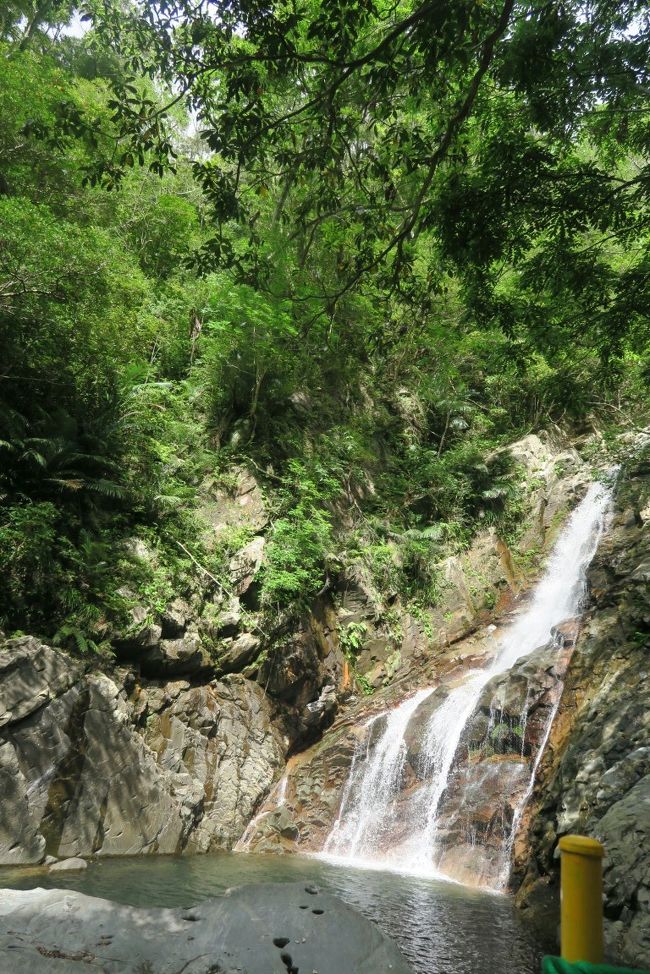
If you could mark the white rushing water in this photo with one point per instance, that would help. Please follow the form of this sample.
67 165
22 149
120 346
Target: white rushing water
368 827
367 814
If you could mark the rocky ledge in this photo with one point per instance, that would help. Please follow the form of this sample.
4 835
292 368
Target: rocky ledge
269 929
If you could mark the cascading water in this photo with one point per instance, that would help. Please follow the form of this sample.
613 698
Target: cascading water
366 810
379 821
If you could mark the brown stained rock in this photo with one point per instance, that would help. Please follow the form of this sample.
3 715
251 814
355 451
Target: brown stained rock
566 633
298 669
316 779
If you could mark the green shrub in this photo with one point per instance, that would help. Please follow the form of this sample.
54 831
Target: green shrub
294 570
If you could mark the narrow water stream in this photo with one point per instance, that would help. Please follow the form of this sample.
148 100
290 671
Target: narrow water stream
442 928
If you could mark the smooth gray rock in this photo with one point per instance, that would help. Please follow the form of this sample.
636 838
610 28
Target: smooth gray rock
176 657
21 843
239 653
83 782
69 865
266 929
31 674
158 769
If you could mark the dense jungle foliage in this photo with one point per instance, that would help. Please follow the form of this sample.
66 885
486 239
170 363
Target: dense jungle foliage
356 246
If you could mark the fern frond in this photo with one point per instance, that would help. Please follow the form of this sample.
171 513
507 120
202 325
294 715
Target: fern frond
108 488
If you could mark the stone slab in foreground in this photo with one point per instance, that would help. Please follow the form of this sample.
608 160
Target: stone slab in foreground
268 929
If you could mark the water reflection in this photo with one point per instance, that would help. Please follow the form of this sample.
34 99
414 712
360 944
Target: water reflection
442 928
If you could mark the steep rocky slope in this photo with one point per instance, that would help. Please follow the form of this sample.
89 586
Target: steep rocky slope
596 776
104 767
181 744
176 744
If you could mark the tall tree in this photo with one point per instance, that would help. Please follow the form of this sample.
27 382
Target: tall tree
512 135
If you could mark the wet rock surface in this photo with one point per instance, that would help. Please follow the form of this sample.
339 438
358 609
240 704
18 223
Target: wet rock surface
595 778
268 929
491 770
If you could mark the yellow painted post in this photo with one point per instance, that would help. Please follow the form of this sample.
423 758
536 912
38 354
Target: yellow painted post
582 899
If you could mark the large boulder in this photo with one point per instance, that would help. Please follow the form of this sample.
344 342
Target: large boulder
235 654
176 657
269 929
31 674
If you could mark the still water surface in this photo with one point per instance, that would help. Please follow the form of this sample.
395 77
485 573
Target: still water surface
442 928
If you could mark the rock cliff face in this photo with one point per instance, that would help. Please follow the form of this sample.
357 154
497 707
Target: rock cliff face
490 774
595 779
474 585
93 764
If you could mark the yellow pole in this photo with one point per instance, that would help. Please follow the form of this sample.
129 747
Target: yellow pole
582 899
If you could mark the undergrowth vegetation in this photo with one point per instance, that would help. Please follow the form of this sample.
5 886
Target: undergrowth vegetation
140 367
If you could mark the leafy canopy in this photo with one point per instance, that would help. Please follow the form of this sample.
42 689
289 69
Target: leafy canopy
506 139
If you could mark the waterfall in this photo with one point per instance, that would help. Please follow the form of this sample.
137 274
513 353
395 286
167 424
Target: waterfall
366 810
394 822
